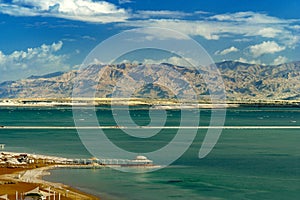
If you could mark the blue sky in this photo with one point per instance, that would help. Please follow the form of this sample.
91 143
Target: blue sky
39 37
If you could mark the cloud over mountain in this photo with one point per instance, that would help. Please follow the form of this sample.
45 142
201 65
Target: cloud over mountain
227 51
266 47
37 60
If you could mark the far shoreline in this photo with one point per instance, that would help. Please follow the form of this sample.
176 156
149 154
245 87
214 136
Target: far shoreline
142 102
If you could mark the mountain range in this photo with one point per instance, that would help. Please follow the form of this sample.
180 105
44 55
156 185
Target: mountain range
242 82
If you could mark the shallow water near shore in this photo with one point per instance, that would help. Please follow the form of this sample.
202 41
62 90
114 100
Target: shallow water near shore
245 163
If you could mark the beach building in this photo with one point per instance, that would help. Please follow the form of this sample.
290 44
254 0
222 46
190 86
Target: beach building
141 160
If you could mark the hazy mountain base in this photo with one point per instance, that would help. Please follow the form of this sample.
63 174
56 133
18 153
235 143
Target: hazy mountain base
243 83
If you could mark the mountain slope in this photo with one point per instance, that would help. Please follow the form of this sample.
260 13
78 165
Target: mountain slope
242 82
246 81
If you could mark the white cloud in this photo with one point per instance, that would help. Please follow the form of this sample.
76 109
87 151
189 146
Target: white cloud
80 10
211 27
227 51
161 14
215 30
296 27
171 60
269 32
242 40
243 60
200 12
252 24
125 1
69 39
249 17
192 28
87 37
16 10
240 26
33 61
55 46
266 47
280 60
248 25
166 14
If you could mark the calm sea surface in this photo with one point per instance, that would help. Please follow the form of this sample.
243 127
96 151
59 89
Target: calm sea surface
245 163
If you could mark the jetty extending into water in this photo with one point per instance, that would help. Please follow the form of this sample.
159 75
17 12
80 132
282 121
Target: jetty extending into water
23 159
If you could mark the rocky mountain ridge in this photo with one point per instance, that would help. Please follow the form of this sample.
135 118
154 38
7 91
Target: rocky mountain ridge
242 82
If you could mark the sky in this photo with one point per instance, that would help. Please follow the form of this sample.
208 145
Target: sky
44 36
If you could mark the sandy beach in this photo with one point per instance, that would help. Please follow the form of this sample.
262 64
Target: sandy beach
22 172
18 179
25 176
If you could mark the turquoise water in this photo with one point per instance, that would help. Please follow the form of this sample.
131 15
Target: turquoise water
245 163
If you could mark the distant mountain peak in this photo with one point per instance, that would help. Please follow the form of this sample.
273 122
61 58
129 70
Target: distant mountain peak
51 75
243 81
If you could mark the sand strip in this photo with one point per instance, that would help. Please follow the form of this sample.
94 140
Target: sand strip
26 180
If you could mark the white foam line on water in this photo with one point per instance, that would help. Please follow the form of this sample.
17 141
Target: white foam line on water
150 127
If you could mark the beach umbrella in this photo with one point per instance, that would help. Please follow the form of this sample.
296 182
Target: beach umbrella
35 190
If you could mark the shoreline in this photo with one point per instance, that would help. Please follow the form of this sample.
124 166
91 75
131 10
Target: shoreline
27 176
153 103
21 168
34 178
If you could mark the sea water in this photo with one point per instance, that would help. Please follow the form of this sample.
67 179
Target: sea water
244 164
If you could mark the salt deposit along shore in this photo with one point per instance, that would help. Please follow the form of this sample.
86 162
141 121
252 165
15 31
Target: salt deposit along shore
21 173
153 103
